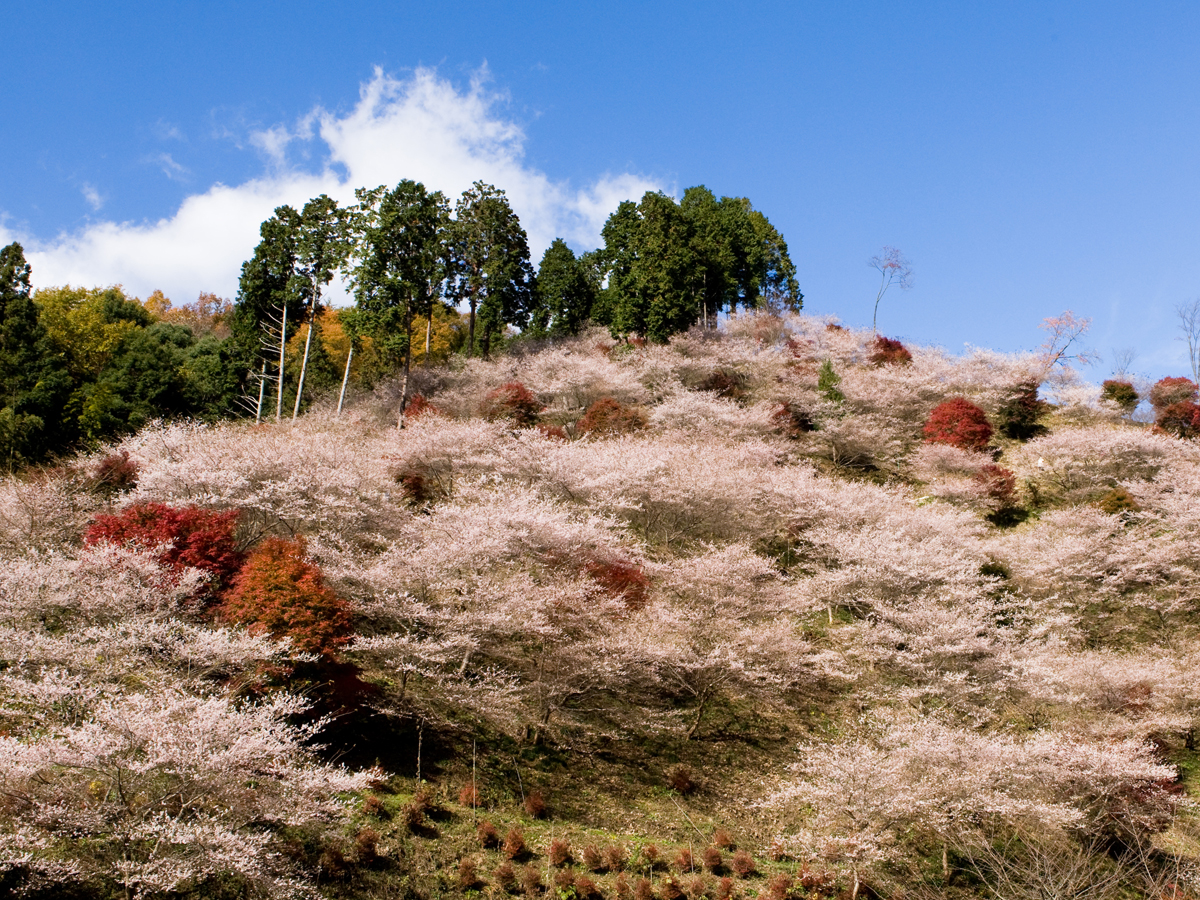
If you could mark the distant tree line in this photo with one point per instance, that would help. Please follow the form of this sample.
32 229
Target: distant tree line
429 278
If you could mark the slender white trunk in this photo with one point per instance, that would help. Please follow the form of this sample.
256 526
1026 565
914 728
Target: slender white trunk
282 348
429 332
312 324
345 378
262 387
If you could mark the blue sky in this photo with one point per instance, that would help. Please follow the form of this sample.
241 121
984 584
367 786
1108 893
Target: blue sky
1027 157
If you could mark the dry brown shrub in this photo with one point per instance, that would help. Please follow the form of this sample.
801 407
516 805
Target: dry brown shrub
468 875
592 860
559 853
713 861
531 880
681 780
514 844
488 836
643 890
742 864
469 795
684 861
587 889
535 805
506 876
615 857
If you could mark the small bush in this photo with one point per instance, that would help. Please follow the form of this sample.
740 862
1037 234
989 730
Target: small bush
183 536
722 839
468 875
608 417
780 887
724 889
651 856
418 406
643 890
512 401
959 423
828 381
727 383
671 890
1122 393
1169 391
620 579
487 834
1118 501
1018 418
742 864
115 473
506 876
684 861
680 779
416 486
469 796
1180 419
697 888
713 861
553 432
564 882
366 846
586 889
514 844
531 880
592 860
997 483
535 806
281 592
889 352
817 880
623 888
333 865
373 806
792 421
615 857
559 853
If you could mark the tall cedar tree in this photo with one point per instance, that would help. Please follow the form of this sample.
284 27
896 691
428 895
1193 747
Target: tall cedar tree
321 248
669 265
265 291
563 294
489 263
33 387
400 237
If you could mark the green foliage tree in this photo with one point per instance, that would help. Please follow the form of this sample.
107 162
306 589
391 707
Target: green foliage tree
563 293
33 385
266 300
321 248
400 239
668 265
489 264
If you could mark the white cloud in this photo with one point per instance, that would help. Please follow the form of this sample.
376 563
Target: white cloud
92 196
421 127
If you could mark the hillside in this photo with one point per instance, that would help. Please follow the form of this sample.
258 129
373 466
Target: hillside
712 618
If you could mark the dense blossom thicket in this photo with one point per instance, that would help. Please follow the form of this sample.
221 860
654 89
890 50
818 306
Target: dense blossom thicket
816 597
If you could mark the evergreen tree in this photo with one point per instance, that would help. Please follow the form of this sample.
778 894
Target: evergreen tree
490 268
401 252
563 294
33 383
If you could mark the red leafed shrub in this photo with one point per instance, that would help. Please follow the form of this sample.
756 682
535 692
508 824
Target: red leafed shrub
792 421
1169 391
512 401
281 592
959 423
607 416
514 844
889 352
592 860
418 406
722 839
535 804
559 853
116 472
1122 393
487 834
643 889
620 579
469 795
742 864
615 857
671 890
998 483
684 861
780 887
1181 419
184 536
506 876
713 860
724 889
553 432
586 889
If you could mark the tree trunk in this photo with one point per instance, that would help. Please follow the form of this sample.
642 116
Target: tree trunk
428 335
312 324
345 378
262 387
282 348
471 329
407 363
